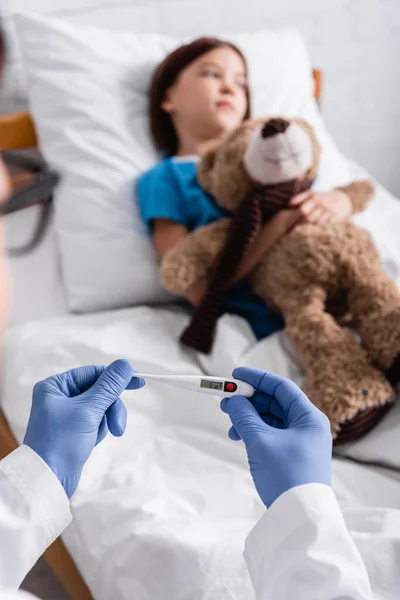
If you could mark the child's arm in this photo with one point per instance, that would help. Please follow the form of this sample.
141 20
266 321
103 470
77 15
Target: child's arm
167 235
270 233
187 259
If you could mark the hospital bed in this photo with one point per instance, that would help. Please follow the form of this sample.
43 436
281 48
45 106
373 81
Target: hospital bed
163 512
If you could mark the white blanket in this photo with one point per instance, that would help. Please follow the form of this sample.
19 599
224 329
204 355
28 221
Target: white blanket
163 512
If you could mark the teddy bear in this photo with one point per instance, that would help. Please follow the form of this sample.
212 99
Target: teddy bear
319 277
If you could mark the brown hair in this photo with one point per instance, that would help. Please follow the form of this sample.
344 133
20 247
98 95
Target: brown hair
165 75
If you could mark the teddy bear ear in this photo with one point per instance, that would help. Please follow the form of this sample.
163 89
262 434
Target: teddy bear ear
304 124
205 167
316 148
307 128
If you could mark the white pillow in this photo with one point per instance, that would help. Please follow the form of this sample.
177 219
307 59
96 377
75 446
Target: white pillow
88 96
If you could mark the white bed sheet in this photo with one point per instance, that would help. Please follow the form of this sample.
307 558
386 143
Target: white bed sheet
163 512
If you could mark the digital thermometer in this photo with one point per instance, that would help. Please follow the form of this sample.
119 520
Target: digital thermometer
214 386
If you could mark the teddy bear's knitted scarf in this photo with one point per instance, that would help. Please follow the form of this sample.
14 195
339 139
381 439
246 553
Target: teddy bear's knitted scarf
259 205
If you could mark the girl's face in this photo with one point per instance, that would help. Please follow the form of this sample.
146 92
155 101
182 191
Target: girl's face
209 96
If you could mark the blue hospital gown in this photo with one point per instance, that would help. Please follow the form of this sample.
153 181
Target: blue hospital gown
170 190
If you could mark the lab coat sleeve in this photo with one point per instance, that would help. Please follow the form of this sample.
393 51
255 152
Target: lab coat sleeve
34 510
301 550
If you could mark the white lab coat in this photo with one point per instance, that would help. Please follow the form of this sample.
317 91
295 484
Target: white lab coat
299 550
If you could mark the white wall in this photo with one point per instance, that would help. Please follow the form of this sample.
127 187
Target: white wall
355 42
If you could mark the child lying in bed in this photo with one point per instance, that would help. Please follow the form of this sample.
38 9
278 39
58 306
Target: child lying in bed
73 411
198 94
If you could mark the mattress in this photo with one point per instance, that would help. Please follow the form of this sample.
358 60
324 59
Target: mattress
163 512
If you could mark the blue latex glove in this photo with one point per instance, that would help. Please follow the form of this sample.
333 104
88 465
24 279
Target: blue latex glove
73 411
288 440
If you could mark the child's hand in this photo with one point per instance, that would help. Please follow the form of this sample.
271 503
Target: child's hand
323 207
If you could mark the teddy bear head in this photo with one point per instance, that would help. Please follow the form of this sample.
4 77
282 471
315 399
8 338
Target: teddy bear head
258 153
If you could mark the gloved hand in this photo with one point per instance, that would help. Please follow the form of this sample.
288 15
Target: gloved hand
288 440
73 411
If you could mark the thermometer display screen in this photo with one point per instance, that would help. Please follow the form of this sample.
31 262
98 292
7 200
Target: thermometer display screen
212 385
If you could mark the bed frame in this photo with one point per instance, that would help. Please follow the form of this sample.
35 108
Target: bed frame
17 131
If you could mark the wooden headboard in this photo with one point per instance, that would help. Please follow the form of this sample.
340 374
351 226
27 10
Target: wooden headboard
18 131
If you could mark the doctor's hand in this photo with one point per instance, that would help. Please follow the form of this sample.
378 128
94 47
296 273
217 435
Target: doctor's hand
288 440
73 411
